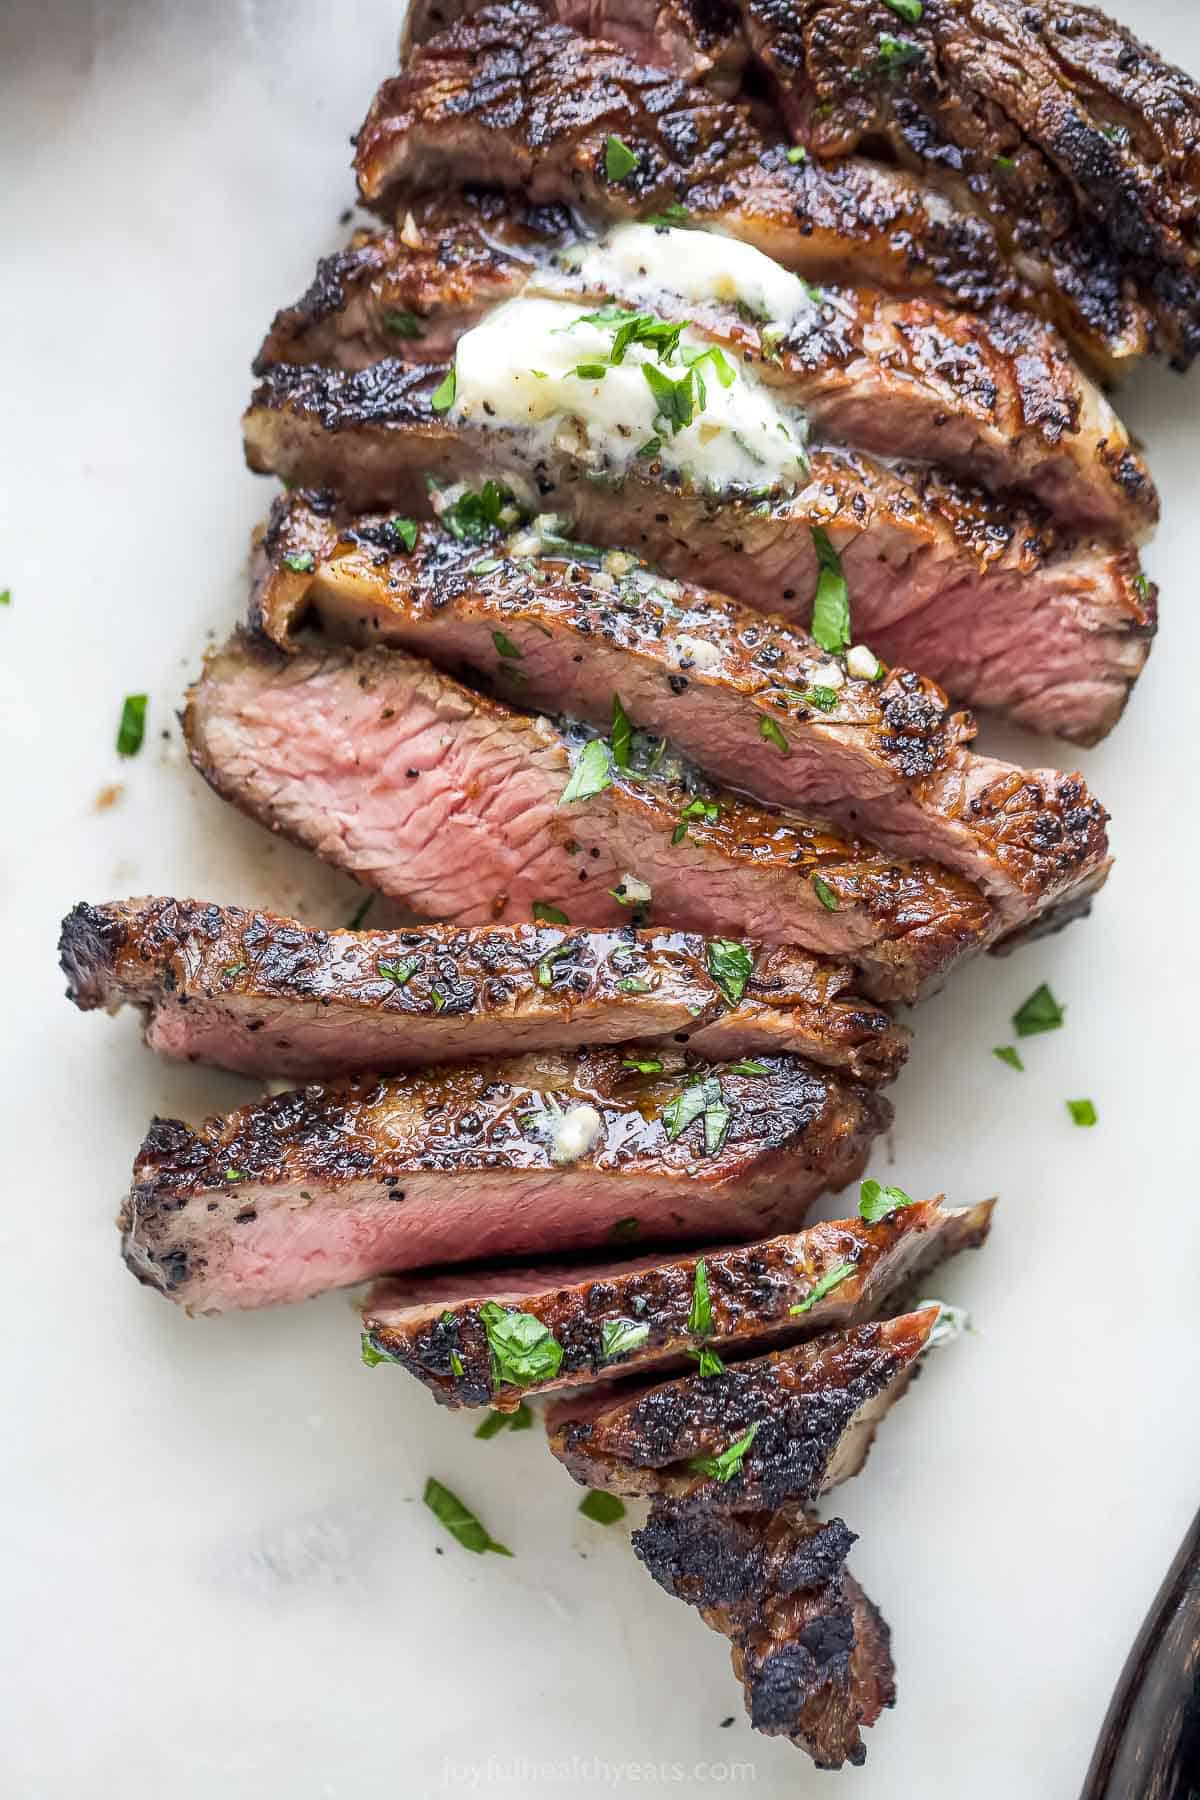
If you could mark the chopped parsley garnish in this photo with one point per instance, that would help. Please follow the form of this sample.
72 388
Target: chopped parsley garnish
487 565
702 1099
1082 1111
590 371
6 595
619 160
909 10
505 645
545 968
235 1174
643 1065
825 894
622 733
797 154
1141 587
1008 1053
710 1362
371 1354
132 727
724 1467
496 1422
700 1318
831 601
404 531
300 562
438 998
833 1278
635 984
823 698
623 897
724 372
442 397
456 1364
403 324
523 1349
360 912
1041 1012
591 775
545 914
708 810
602 1508
748 1067
399 972
676 400
474 515
232 969
619 1336
1004 162
895 53
876 1202
459 1520
651 447
768 729
730 964
674 214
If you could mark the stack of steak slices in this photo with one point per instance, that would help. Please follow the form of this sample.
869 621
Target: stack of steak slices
659 498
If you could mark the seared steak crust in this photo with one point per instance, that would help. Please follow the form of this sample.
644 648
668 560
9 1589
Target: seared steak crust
424 1321
813 1409
509 100
451 803
1011 615
812 1652
888 757
996 400
265 995
1077 143
330 1184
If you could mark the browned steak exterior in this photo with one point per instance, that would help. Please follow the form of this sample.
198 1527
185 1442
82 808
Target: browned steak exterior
1007 613
731 688
812 1652
1077 143
268 996
996 400
813 1410
509 100
430 1324
328 1185
453 804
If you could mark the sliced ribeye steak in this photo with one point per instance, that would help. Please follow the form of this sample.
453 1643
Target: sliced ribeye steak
756 701
812 1652
623 1319
456 805
328 1185
269 996
780 1428
508 100
995 400
1007 611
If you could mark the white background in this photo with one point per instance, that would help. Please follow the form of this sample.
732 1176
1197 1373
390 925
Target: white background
218 1579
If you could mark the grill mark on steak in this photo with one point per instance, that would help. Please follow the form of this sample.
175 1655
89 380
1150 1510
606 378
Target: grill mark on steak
265 995
812 1653
330 1184
1078 144
509 100
996 400
889 758
422 1320
1016 617
815 1407
450 802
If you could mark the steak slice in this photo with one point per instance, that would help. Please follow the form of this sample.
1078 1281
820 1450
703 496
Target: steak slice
452 803
330 1184
1009 615
269 996
812 1408
812 1652
507 99
422 1321
1078 144
994 400
730 687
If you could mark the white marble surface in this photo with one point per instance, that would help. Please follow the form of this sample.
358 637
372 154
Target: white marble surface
218 1580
